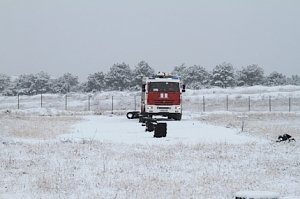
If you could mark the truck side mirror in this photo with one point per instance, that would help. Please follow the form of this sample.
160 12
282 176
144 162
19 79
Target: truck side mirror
183 88
144 88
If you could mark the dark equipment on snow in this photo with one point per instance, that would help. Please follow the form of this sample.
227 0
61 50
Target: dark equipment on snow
285 137
133 115
159 128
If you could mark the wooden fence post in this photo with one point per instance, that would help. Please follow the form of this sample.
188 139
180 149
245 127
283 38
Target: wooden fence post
66 102
89 103
41 100
290 104
270 104
203 103
112 104
226 102
135 102
249 104
18 101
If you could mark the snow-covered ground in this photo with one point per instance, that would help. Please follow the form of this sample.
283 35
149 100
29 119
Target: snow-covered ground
52 153
118 129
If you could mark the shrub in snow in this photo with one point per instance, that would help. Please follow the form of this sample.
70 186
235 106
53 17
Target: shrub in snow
250 76
294 80
4 82
141 70
119 77
276 79
96 82
65 84
223 75
195 77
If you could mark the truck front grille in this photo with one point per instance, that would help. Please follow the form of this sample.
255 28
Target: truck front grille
160 107
164 102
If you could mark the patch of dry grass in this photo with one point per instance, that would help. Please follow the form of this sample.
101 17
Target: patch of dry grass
103 170
267 125
38 127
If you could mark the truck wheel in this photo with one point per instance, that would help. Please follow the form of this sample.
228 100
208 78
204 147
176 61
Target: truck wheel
133 115
177 116
129 115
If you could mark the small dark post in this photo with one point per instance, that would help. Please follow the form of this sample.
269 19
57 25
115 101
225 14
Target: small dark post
226 102
270 105
290 104
203 104
18 101
135 102
89 104
66 102
249 104
112 104
41 100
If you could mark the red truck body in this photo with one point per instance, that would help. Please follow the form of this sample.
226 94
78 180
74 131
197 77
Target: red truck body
162 95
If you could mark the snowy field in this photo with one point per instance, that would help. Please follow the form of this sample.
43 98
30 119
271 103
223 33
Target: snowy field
53 153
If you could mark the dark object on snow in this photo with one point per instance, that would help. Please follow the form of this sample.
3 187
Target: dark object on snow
7 111
160 130
133 115
150 126
285 137
149 122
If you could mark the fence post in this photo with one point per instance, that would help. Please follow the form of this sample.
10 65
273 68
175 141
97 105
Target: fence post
135 102
66 102
89 104
226 102
203 103
112 104
41 100
18 101
290 104
270 105
249 104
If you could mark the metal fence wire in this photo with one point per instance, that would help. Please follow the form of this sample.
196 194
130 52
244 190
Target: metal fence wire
122 101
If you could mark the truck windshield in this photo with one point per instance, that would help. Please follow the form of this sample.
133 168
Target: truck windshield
163 86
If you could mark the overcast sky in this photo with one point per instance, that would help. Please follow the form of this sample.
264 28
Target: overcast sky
84 37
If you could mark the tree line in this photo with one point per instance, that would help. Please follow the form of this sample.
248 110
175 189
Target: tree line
122 77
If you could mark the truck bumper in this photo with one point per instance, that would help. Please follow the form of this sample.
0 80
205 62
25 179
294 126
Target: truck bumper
159 110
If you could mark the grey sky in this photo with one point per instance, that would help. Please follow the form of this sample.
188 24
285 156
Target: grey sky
84 37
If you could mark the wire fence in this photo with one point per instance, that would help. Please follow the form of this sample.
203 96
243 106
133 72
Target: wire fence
113 102
242 103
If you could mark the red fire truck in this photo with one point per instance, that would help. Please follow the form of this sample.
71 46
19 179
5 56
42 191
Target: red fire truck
162 95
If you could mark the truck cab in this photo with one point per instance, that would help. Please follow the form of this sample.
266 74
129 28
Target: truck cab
162 95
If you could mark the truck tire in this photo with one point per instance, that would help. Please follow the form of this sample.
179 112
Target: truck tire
177 116
133 115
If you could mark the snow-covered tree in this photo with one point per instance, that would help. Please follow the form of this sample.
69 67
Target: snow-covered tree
4 82
24 84
223 75
180 71
196 77
119 77
250 76
276 79
41 82
30 84
141 70
64 84
96 82
294 80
